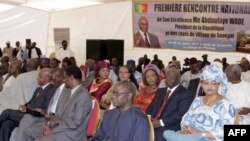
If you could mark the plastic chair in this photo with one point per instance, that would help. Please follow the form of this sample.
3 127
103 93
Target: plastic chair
94 118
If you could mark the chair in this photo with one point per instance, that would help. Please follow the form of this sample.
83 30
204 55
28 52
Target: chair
237 119
94 118
151 128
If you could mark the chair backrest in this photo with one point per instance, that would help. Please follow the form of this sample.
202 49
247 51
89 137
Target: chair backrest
152 133
94 118
237 119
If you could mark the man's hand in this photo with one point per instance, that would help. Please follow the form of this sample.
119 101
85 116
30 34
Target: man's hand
46 130
41 111
22 108
49 117
137 39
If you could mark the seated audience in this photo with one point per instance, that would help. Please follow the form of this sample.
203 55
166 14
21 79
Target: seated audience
136 73
3 73
20 91
169 105
208 114
238 90
71 119
124 73
147 92
13 71
44 63
193 73
245 66
89 71
10 118
102 83
125 123
30 120
54 63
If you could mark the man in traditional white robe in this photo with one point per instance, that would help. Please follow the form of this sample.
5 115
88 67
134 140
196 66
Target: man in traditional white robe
21 90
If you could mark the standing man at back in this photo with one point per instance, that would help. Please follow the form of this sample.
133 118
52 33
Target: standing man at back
70 120
64 51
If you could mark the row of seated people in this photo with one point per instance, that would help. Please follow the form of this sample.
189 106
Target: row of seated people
144 98
60 108
60 103
158 124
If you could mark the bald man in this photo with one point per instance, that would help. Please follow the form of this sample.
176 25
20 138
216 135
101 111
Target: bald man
10 118
143 38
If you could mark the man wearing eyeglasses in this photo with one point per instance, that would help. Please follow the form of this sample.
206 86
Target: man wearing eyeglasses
126 122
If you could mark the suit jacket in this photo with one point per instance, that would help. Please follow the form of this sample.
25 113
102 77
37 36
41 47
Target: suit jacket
153 40
72 118
177 105
193 85
41 99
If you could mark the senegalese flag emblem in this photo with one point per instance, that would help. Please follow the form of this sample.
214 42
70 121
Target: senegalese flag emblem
141 7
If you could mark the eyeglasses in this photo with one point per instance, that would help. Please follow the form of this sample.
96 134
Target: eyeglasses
117 94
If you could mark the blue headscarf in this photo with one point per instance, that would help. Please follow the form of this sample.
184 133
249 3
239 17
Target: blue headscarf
215 73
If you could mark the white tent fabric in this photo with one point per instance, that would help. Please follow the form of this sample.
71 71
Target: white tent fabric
107 21
20 23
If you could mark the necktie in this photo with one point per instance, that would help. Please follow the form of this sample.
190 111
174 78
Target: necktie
39 89
146 40
163 104
52 106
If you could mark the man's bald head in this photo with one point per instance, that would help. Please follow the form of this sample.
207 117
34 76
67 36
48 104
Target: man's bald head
143 24
44 76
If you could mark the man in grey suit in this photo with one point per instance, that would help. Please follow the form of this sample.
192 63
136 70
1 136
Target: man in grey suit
29 120
143 38
71 118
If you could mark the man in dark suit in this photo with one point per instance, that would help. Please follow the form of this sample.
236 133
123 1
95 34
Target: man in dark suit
143 38
71 117
10 118
169 104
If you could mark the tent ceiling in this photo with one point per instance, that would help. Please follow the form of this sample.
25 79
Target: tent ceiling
56 5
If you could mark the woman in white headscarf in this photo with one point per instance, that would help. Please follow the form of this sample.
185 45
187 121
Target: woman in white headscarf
208 114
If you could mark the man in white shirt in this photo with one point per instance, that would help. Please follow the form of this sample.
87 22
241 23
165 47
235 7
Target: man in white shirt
64 51
8 49
20 91
238 90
